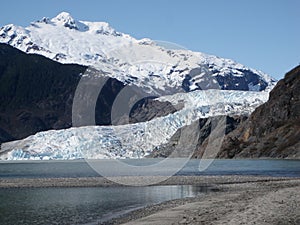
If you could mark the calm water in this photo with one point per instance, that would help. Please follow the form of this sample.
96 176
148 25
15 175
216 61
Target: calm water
81 205
89 205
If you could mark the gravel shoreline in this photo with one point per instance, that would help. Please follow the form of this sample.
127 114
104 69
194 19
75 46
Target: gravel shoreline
119 181
259 202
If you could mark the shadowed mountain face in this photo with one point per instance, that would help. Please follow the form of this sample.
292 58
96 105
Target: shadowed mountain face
273 129
36 94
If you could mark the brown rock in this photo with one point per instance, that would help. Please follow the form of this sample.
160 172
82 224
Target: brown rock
273 129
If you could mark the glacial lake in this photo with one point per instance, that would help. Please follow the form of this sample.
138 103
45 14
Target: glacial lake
89 205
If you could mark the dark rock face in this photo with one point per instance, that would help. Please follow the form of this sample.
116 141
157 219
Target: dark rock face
149 108
4 136
35 93
273 129
145 109
229 82
105 100
212 80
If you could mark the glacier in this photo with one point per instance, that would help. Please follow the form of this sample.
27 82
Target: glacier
131 140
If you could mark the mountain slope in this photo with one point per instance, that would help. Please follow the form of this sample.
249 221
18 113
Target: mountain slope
35 93
273 129
158 70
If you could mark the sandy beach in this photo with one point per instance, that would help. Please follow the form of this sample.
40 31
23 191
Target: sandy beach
228 200
257 202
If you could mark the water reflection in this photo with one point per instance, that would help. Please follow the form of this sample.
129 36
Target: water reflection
82 205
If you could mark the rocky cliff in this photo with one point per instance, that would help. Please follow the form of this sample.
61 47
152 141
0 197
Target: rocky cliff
273 129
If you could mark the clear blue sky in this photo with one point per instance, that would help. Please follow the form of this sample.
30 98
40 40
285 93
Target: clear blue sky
263 34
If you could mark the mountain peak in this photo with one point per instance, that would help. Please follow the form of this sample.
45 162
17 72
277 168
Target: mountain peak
66 20
63 16
155 68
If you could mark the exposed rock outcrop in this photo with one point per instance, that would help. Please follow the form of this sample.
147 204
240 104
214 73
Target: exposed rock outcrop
149 108
194 138
273 129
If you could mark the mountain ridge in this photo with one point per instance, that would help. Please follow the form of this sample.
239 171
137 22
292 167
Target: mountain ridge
144 63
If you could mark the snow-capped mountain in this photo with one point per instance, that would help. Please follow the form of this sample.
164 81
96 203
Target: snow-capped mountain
132 140
179 76
156 69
